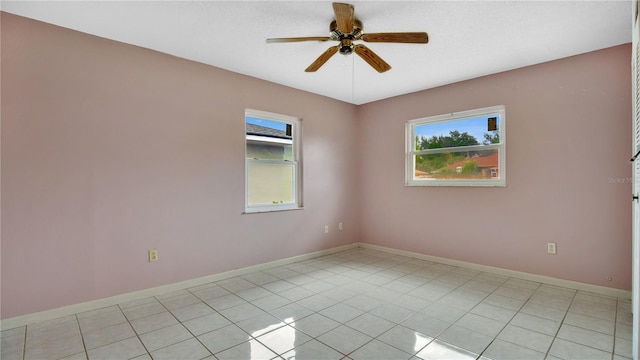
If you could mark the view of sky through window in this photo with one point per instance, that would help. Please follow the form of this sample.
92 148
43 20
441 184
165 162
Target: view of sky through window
475 127
278 125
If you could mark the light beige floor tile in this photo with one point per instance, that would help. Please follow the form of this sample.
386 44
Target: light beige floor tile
143 310
425 324
190 349
107 335
210 291
543 311
569 351
56 347
344 339
538 324
605 326
78 356
153 322
291 312
623 347
223 338
224 302
207 323
370 325
248 350
283 339
259 278
392 312
125 349
241 312
527 338
192 311
481 324
504 301
271 302
405 339
503 350
363 302
15 355
341 312
315 325
160 338
317 302
586 337
260 324
438 350
101 319
313 350
378 350
253 293
472 341
12 342
494 312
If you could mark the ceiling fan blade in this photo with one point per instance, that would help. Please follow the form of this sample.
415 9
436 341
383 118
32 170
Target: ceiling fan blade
402 37
297 39
344 17
371 58
322 59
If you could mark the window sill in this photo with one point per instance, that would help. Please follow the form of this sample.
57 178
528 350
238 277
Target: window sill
457 184
260 211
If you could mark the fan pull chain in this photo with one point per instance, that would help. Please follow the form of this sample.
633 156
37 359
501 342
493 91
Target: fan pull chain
353 79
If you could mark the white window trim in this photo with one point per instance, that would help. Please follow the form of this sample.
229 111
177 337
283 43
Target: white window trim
410 151
297 154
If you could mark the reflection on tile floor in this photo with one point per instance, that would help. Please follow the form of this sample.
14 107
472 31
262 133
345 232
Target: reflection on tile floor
356 304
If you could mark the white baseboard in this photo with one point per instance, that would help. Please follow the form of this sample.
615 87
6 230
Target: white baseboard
51 314
602 290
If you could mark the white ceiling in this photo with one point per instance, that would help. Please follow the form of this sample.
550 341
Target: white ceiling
467 39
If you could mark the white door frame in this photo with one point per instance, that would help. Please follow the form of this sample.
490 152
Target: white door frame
635 78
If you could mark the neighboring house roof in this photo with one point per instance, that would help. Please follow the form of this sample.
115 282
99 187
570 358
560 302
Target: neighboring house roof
258 130
490 161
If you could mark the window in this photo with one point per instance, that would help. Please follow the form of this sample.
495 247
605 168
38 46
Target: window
459 149
272 153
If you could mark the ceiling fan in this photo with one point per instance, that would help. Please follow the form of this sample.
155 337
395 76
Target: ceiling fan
346 29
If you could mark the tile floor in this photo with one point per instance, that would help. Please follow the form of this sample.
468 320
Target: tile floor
357 304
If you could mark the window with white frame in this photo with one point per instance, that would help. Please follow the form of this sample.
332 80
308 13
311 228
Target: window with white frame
459 149
272 162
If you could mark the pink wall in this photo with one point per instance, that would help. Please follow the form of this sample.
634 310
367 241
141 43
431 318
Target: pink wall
568 132
109 150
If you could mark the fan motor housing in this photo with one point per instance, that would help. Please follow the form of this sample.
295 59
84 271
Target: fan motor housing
346 40
339 35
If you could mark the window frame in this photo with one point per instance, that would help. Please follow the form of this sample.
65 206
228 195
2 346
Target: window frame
296 162
411 152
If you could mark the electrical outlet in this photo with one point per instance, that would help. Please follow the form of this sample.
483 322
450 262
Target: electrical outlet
340 227
551 248
326 229
153 255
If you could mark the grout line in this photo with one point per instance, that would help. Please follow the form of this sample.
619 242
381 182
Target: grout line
134 330
615 322
573 298
514 315
24 344
84 344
